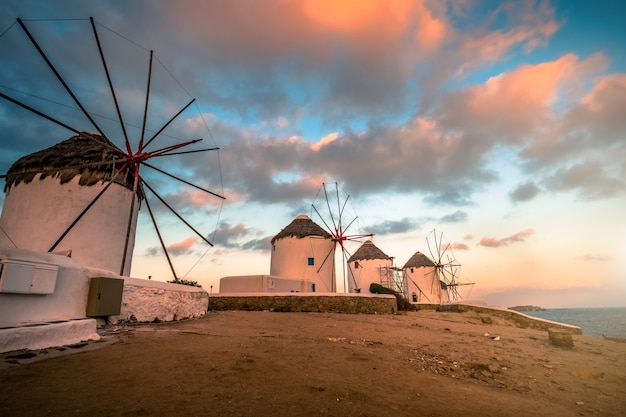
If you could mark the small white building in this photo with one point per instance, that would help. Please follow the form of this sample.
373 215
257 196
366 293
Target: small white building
365 267
263 284
304 251
48 190
423 283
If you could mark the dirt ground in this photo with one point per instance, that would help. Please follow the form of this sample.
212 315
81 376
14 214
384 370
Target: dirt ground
239 363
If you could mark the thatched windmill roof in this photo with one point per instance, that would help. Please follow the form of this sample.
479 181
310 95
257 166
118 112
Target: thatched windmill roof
79 155
302 226
368 251
418 260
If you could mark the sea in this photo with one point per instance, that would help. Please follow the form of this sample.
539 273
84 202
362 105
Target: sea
601 322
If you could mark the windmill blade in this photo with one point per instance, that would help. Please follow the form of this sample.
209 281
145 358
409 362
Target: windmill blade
358 238
185 152
130 218
419 289
435 278
86 209
39 113
330 252
430 251
168 123
108 75
339 211
61 80
330 211
53 120
167 149
346 255
345 229
145 112
156 228
183 181
175 212
329 255
322 219
351 273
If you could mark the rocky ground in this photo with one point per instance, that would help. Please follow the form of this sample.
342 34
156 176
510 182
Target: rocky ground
239 363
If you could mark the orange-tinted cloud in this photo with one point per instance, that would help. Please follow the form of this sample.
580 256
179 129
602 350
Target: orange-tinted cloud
530 26
183 247
493 242
607 95
459 246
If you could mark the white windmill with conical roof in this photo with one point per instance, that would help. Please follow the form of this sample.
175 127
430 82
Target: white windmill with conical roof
47 192
365 267
422 280
299 251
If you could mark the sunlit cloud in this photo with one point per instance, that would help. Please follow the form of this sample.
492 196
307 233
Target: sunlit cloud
493 242
182 247
458 246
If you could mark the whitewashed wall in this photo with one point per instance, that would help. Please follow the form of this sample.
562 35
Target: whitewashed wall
36 321
262 284
35 215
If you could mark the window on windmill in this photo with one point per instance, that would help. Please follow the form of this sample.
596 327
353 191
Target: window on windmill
411 270
356 264
311 261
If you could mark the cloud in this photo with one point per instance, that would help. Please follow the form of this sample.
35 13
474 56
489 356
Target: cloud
182 247
229 236
529 25
524 192
456 217
388 227
492 242
263 244
594 257
458 246
592 180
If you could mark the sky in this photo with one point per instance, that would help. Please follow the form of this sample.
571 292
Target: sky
501 125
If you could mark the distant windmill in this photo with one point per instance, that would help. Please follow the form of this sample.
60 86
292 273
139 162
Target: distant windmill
329 208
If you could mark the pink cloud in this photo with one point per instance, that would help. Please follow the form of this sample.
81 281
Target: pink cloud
608 95
183 247
459 246
493 242
530 25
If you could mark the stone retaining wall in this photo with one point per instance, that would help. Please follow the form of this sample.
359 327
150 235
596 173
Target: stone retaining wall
307 302
149 301
520 320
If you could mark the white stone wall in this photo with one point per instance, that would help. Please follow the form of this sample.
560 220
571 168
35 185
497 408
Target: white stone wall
68 301
35 321
290 259
35 215
148 301
262 284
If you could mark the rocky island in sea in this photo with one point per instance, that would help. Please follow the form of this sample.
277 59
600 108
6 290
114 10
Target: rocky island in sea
527 308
